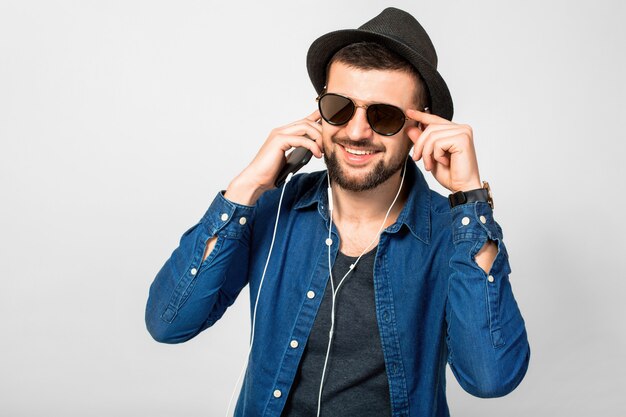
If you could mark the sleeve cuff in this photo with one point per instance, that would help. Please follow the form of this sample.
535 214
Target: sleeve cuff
474 221
227 218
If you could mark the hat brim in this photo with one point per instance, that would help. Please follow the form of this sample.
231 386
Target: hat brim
323 49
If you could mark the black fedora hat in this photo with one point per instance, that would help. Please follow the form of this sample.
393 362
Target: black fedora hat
398 31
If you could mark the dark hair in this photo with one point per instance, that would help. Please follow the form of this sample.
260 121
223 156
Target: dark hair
373 56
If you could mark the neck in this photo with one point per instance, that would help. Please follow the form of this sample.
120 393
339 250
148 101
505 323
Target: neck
363 207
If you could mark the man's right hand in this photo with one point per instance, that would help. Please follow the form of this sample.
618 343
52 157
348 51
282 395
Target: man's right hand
260 175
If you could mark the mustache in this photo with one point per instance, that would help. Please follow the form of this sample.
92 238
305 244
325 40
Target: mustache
367 144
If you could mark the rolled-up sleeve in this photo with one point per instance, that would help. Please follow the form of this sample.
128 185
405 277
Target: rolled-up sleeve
189 294
487 341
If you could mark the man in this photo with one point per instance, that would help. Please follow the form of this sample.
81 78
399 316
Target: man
373 285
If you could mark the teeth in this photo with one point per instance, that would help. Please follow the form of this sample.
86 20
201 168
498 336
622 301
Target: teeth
358 152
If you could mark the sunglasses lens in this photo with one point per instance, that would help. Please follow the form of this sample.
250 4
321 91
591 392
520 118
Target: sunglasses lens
385 119
336 110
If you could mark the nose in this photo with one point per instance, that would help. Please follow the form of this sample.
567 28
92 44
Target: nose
358 127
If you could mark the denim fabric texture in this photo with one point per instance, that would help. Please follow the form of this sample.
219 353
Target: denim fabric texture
434 304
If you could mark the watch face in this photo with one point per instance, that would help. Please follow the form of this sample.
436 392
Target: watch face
488 188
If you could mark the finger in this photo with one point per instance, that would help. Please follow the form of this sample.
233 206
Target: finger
426 155
419 143
286 142
434 127
435 131
448 144
319 140
426 118
425 147
315 116
301 129
415 133
440 155
314 125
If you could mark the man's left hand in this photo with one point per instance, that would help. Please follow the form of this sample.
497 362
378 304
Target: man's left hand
447 150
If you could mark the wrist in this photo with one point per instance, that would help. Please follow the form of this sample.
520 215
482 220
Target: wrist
243 191
474 185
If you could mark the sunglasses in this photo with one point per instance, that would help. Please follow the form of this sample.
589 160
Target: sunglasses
384 119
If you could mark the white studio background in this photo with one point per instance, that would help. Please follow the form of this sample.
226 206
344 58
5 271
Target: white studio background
121 120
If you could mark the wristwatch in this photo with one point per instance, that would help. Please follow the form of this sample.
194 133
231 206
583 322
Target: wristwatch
479 194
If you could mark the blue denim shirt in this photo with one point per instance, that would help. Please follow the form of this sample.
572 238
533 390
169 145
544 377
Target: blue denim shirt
434 304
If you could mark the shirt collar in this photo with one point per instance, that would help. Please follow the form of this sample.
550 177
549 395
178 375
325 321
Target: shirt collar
415 214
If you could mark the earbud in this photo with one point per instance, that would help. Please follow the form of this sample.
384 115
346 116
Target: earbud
329 191
330 199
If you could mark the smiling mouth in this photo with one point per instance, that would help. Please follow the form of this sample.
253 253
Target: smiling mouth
359 151
358 156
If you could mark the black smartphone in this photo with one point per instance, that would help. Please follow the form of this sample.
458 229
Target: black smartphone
298 158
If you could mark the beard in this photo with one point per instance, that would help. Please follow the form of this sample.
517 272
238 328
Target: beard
377 175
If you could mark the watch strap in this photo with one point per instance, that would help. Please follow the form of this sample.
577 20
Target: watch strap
471 196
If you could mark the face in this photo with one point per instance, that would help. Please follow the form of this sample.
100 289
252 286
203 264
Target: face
358 158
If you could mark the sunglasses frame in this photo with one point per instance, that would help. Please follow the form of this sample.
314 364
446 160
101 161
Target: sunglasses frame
354 107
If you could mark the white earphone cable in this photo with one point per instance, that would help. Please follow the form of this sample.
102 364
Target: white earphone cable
334 291
256 303
352 266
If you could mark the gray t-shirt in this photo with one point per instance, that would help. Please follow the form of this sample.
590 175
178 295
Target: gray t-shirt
356 379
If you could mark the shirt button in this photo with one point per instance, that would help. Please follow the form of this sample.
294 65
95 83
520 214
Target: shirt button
294 344
310 295
277 393
483 219
243 221
465 221
224 217
490 278
194 271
